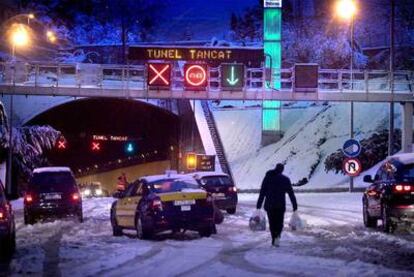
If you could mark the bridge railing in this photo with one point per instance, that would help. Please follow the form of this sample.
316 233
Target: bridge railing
133 77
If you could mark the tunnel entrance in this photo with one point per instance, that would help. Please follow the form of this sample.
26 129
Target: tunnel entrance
107 134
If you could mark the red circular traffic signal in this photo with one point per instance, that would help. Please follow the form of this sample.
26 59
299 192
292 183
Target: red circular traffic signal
195 76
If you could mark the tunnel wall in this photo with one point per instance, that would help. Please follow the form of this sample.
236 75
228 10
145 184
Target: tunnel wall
109 179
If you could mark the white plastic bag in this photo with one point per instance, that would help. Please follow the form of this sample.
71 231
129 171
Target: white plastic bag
257 221
296 223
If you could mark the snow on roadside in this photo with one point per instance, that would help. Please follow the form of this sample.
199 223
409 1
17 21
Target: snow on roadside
311 135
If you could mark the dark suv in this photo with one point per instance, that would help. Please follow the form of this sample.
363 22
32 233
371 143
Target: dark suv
390 197
7 227
221 188
52 192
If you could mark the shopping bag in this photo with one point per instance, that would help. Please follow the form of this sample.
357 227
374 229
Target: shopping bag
257 221
296 223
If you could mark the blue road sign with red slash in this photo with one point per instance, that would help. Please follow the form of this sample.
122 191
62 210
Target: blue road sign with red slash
351 148
352 167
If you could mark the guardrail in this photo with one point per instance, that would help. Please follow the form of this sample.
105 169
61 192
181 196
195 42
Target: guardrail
35 78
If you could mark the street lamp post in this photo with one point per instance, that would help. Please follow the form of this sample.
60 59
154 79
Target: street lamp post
346 9
391 119
19 37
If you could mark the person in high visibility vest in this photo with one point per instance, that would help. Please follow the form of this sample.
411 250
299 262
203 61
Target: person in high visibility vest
122 182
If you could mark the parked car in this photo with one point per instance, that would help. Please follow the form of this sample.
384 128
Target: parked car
52 193
159 203
7 227
219 184
390 197
93 190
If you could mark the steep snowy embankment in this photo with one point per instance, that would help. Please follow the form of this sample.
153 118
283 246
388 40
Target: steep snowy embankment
311 135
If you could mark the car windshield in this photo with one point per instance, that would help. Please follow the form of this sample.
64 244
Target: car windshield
406 172
171 186
46 181
215 181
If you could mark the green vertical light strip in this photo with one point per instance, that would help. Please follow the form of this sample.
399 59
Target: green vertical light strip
272 27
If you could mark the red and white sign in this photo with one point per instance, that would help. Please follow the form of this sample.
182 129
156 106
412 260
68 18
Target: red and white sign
352 167
195 76
159 75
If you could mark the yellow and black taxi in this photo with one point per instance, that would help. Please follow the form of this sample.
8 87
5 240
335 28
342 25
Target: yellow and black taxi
160 203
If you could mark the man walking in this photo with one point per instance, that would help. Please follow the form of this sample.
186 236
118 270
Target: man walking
275 185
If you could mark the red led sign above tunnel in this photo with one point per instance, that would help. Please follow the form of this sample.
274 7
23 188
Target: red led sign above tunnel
159 75
195 76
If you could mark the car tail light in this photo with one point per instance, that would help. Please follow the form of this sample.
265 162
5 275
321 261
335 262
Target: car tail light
3 214
401 188
75 196
28 198
156 205
232 189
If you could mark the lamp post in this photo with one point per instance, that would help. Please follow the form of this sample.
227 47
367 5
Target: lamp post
391 123
19 37
346 10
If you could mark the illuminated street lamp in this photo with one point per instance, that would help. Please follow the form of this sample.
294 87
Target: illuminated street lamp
30 16
51 36
346 10
19 37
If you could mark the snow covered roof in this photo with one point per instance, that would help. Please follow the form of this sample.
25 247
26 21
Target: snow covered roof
202 174
405 158
51 169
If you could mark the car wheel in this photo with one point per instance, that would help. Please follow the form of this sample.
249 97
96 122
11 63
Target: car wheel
207 231
116 230
231 211
8 248
369 221
386 220
80 217
28 219
142 232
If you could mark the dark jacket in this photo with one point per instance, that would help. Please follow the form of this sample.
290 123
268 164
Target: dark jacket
274 187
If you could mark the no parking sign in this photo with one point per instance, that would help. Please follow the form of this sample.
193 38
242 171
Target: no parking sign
352 167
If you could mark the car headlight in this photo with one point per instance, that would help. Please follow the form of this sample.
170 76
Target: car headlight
98 192
87 192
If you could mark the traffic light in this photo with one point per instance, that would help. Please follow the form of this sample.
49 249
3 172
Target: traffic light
159 75
191 160
61 144
195 76
96 146
130 148
232 76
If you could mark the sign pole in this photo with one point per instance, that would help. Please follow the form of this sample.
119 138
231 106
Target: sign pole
351 181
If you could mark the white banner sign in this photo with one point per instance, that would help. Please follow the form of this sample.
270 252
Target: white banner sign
272 3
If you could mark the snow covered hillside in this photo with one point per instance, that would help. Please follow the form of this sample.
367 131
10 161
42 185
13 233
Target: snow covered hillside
311 134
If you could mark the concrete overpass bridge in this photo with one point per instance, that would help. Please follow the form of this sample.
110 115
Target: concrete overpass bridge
70 81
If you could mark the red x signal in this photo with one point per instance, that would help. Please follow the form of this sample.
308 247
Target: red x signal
159 74
61 144
96 146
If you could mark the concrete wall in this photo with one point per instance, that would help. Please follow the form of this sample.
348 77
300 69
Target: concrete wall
109 179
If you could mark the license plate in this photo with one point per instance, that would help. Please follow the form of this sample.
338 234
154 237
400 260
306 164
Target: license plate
185 208
184 202
219 196
54 196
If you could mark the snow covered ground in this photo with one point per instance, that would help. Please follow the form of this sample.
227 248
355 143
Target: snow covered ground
310 135
335 243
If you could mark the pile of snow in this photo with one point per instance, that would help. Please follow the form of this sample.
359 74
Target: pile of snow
311 134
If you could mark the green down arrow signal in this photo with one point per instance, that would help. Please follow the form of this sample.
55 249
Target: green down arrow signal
232 81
